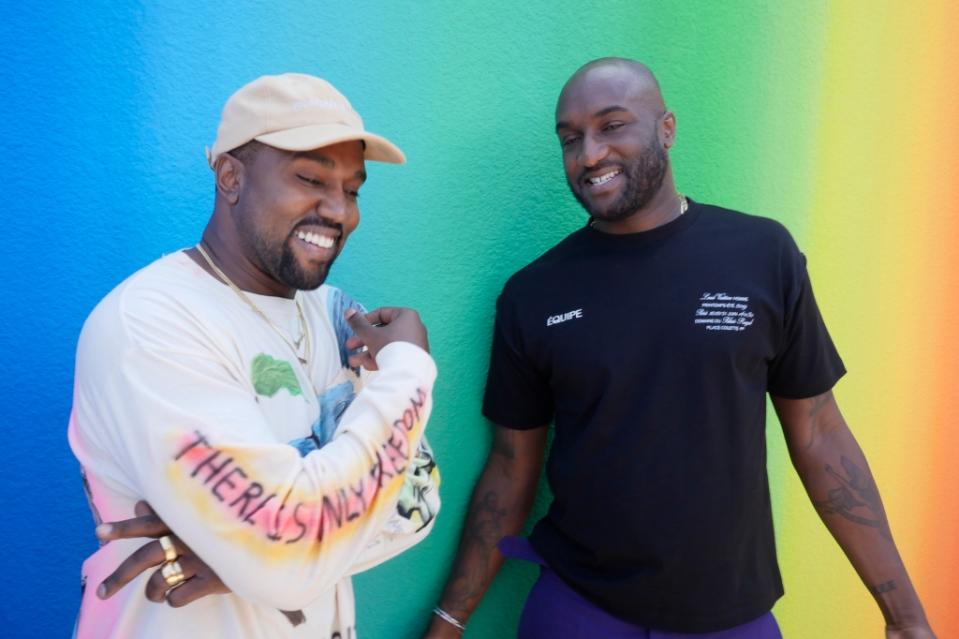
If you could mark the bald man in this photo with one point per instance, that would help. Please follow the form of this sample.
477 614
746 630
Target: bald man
650 338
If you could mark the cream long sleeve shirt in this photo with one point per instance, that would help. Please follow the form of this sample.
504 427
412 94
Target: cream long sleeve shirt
285 478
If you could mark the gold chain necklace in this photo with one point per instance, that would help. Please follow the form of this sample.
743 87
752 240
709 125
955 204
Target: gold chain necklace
304 327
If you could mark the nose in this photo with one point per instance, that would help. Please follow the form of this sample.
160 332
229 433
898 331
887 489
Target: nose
592 151
333 206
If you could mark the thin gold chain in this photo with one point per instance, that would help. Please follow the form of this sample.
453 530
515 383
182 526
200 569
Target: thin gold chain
295 345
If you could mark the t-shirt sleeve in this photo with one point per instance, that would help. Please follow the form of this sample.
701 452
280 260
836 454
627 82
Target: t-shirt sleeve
517 392
278 528
807 363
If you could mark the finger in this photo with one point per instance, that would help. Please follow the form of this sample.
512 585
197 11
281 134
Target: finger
383 315
145 526
358 322
142 509
201 585
190 591
157 587
354 342
143 558
364 359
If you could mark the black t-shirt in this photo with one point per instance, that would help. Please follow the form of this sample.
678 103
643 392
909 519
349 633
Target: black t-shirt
652 354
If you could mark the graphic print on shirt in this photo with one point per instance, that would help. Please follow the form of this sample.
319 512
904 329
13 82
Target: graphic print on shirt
283 516
336 399
270 375
724 312
280 515
333 403
564 317
337 304
418 501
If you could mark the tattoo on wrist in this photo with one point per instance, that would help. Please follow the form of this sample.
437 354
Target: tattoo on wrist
885 586
855 498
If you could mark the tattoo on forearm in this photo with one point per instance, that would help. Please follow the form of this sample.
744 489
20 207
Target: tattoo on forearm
886 586
483 529
855 498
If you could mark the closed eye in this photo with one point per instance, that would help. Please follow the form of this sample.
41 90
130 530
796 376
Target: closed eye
310 180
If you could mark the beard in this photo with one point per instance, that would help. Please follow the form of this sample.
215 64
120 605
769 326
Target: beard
293 275
644 177
278 259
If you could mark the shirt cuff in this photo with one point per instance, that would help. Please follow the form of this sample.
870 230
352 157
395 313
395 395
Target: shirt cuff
408 356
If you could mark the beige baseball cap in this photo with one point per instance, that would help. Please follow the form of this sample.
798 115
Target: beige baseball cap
295 112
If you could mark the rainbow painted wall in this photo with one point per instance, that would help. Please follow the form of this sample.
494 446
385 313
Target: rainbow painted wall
840 119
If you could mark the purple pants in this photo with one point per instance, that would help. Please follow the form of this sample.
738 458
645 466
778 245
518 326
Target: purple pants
553 609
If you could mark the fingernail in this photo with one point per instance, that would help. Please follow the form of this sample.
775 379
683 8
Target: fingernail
102 591
104 530
350 312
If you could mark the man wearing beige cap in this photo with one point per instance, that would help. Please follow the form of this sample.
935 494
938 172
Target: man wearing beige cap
225 386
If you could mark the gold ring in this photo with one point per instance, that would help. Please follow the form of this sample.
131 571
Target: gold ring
169 552
172 573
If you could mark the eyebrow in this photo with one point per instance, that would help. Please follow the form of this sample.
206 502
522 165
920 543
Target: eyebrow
606 111
317 156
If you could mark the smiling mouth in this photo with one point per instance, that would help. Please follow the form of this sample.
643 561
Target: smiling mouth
600 180
316 239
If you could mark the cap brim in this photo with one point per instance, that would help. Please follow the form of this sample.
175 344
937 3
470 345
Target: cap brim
315 136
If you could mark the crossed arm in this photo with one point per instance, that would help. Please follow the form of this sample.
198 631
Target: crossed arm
291 539
837 479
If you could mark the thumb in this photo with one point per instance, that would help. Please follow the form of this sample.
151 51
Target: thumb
358 322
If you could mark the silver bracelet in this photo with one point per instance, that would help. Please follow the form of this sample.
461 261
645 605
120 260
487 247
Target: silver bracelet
450 619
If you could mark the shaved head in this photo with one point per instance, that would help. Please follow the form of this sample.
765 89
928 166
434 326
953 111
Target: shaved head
636 76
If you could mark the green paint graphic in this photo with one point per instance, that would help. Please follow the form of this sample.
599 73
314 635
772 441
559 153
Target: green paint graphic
270 375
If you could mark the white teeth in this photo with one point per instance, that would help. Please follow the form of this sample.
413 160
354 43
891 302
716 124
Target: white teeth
604 178
323 241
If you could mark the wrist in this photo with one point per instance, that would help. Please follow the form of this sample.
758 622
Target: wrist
901 609
448 619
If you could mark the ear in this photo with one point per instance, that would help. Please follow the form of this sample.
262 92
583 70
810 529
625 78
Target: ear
229 177
667 130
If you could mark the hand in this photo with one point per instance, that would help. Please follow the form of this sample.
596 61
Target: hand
920 631
380 327
200 578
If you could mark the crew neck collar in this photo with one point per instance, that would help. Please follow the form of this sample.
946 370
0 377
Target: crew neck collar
652 235
274 303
